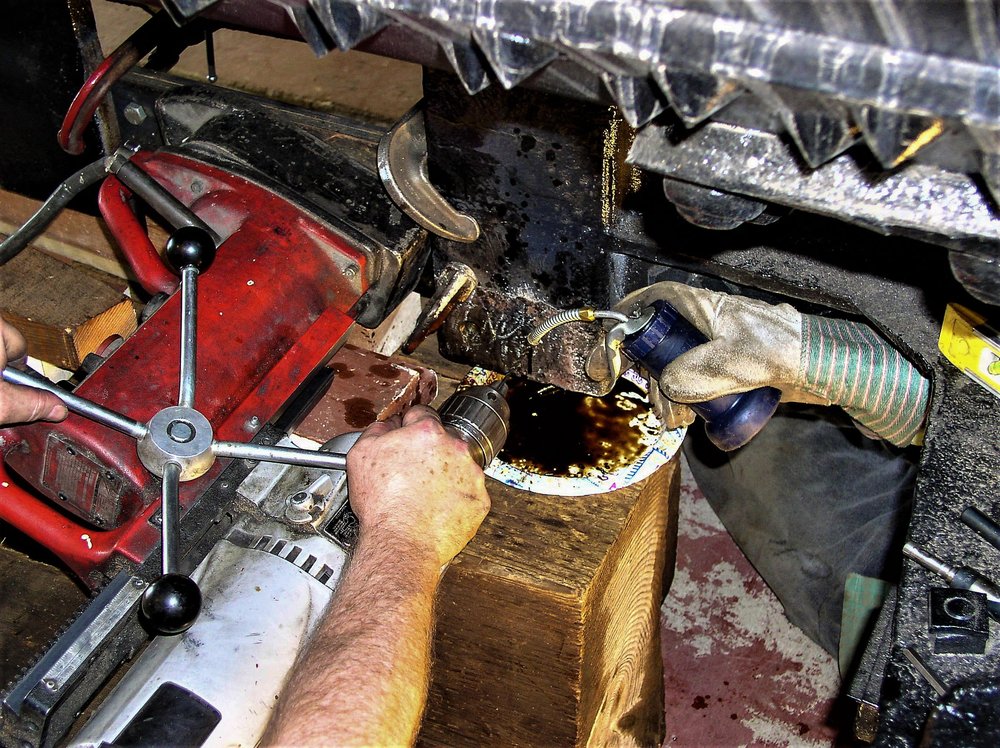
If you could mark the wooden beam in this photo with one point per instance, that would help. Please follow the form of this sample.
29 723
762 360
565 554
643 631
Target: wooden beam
548 622
64 311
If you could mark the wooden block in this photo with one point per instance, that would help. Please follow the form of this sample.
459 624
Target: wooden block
548 622
38 599
63 311
71 236
388 337
367 387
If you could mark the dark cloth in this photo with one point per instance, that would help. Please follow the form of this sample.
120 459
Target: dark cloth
809 500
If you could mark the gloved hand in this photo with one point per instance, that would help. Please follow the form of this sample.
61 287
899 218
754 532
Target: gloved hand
810 359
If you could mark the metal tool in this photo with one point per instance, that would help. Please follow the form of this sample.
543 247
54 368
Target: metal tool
924 671
654 337
265 325
959 577
268 583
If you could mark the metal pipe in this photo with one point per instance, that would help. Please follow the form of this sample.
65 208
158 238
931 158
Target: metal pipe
928 561
114 66
170 511
286 455
79 405
155 195
986 527
571 315
189 335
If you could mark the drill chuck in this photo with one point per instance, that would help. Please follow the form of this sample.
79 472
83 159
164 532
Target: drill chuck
480 417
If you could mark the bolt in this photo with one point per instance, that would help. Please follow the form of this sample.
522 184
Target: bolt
197 186
138 583
253 423
351 270
135 113
50 684
180 431
299 498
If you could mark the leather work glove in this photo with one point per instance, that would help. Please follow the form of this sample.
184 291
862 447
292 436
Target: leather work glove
810 359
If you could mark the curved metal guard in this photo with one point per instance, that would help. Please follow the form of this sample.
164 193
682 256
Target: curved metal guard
402 165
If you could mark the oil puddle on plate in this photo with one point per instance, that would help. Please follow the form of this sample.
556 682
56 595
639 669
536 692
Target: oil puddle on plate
567 444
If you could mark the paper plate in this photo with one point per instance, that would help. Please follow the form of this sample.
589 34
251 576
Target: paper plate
653 447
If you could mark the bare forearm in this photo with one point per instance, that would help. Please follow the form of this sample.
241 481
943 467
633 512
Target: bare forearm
365 670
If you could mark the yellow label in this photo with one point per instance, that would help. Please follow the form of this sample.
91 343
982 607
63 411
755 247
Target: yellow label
972 345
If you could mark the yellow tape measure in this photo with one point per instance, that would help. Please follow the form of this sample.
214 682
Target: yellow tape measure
972 345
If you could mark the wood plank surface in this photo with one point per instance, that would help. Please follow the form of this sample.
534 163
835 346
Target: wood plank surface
72 235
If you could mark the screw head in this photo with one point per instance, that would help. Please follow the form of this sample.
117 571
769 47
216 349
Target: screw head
135 113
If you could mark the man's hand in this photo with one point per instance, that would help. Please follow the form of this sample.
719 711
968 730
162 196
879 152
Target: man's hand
410 479
23 404
362 680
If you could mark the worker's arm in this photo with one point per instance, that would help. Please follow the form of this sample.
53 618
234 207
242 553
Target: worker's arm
362 679
23 404
809 358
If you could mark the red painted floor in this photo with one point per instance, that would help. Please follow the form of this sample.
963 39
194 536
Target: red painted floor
736 672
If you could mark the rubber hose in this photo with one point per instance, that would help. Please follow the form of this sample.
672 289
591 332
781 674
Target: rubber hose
64 193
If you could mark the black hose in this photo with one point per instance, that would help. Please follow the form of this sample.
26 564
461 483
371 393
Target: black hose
58 200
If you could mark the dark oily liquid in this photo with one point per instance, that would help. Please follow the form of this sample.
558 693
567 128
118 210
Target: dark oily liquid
556 432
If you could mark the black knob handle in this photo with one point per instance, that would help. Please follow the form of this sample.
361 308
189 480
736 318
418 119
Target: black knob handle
190 246
171 604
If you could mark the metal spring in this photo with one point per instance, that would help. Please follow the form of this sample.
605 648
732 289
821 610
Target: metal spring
571 315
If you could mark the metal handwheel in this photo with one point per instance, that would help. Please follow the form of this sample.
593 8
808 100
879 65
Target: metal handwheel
177 443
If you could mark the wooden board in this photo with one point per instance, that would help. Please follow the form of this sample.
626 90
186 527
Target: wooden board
72 236
63 310
548 622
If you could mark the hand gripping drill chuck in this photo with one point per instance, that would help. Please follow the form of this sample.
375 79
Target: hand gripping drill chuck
480 417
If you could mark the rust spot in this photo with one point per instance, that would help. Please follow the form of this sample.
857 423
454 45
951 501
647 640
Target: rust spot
342 370
700 702
803 728
359 412
557 432
386 371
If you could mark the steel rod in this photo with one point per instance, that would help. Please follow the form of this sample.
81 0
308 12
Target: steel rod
176 213
79 405
928 561
189 335
286 455
170 511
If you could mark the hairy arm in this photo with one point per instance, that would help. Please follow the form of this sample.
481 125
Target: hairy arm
362 679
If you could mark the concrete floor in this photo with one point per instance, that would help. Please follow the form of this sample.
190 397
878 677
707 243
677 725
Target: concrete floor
736 672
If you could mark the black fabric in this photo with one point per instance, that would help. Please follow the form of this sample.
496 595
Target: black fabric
809 500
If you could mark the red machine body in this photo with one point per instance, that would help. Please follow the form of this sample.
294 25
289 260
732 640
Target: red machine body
273 307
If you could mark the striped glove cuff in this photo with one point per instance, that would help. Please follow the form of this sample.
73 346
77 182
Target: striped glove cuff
848 363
